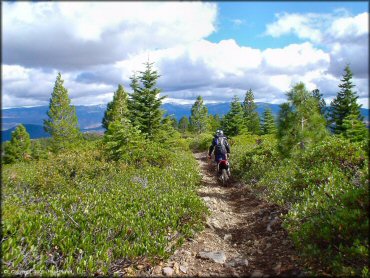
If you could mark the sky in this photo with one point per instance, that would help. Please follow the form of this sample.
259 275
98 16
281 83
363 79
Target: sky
213 49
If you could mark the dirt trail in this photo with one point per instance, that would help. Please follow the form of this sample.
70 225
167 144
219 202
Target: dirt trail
243 236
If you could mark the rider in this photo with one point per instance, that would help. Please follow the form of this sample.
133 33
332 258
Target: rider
221 147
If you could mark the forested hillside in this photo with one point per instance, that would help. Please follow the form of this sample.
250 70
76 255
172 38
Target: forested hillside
85 204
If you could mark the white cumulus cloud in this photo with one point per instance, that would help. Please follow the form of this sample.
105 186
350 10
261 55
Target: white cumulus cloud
98 45
72 35
295 58
344 35
348 28
304 26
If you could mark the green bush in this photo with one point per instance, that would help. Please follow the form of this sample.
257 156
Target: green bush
38 150
325 189
200 142
332 221
331 217
92 136
77 213
280 183
252 156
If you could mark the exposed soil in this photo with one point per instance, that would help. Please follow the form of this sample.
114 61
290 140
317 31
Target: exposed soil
244 231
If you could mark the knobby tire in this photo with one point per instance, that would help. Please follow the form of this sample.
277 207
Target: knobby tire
224 177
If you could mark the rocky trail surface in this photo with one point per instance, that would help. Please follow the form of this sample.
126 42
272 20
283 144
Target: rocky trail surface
243 236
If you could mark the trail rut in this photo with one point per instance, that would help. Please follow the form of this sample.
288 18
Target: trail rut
243 236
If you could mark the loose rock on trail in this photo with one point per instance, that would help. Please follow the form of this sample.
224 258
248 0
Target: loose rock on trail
243 236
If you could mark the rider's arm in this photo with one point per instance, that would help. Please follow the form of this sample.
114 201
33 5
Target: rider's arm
211 147
210 150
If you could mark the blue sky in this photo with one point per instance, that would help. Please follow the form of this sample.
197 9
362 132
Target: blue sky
245 21
213 49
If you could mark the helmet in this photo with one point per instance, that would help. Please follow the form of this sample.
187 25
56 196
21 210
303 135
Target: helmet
219 132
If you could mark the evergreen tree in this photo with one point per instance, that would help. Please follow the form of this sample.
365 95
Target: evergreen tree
167 136
184 124
199 116
251 117
134 82
116 109
321 101
19 147
300 122
214 122
233 122
38 151
354 129
345 103
62 123
145 103
285 132
132 100
123 141
269 125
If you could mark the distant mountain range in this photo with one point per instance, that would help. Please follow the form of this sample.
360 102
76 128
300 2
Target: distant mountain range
90 117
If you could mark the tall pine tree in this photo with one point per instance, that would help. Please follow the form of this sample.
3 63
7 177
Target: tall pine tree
145 103
251 117
199 116
116 109
345 103
269 125
233 122
62 123
19 147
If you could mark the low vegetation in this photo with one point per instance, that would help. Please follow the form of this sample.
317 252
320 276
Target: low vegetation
325 191
78 213
80 204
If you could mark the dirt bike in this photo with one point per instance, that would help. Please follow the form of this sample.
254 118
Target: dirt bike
223 171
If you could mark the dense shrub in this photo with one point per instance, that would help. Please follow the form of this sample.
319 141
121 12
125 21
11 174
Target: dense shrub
200 142
77 213
252 156
331 224
315 166
280 184
38 150
331 217
325 189
92 136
